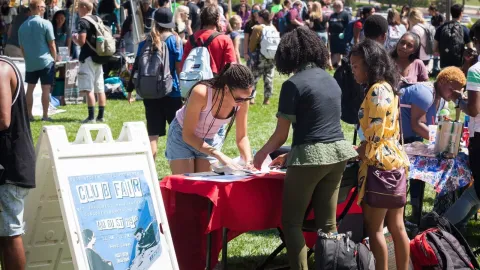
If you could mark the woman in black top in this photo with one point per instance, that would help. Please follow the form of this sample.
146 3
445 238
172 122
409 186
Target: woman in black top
310 103
319 22
338 22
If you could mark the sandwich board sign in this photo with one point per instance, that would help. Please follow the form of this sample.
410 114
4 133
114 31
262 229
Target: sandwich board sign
97 204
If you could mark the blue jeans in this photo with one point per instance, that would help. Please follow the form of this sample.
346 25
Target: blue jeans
12 204
324 37
464 208
177 148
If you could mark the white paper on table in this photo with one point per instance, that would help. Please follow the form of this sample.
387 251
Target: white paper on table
219 178
227 171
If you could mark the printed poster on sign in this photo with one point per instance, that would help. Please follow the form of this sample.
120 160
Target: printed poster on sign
71 90
117 220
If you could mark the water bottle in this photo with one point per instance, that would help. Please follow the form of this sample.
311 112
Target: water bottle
466 132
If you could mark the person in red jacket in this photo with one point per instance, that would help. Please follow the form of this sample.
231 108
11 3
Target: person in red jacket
221 49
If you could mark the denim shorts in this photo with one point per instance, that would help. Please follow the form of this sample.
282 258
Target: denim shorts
177 148
12 204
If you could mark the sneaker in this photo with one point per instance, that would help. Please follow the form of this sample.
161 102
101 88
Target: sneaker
48 119
100 120
252 101
88 121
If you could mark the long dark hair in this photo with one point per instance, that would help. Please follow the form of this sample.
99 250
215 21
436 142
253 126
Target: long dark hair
54 22
416 52
380 66
235 76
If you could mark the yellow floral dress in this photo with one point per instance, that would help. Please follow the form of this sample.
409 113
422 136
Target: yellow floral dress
378 117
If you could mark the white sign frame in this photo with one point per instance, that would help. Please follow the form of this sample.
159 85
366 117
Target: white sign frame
56 158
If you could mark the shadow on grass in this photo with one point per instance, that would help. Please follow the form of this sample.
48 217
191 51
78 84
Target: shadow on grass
253 262
66 120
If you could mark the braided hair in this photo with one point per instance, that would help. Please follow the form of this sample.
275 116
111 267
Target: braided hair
235 76
298 48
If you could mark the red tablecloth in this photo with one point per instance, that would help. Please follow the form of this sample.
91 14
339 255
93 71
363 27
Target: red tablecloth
251 204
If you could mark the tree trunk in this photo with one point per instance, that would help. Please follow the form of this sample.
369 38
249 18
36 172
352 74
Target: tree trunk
449 4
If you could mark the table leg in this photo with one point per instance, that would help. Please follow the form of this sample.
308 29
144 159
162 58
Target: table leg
209 237
224 248
417 190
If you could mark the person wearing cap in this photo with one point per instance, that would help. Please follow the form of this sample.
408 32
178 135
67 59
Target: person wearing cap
160 111
221 48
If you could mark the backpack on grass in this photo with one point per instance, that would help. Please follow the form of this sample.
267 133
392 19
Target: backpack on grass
339 252
441 246
433 220
269 42
153 78
430 34
197 65
438 249
105 43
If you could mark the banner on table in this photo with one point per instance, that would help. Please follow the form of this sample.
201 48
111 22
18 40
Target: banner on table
71 86
97 205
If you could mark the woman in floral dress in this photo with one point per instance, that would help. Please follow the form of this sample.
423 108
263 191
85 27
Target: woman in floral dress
380 148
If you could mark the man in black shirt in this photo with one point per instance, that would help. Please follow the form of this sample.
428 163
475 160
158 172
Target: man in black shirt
451 39
90 73
17 164
194 15
437 17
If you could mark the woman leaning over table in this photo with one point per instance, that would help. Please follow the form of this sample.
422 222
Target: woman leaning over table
380 151
193 141
310 102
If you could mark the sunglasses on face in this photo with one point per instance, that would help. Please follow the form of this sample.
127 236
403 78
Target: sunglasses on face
241 100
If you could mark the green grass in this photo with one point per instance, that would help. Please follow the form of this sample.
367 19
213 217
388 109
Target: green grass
249 249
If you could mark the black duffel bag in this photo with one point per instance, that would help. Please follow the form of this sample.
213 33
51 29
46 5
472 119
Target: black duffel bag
339 252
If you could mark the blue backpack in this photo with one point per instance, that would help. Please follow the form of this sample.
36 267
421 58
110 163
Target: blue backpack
281 22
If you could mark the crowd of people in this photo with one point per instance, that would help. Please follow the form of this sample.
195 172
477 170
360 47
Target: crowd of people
385 60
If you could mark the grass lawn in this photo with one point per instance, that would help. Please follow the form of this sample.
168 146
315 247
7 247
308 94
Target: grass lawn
249 249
